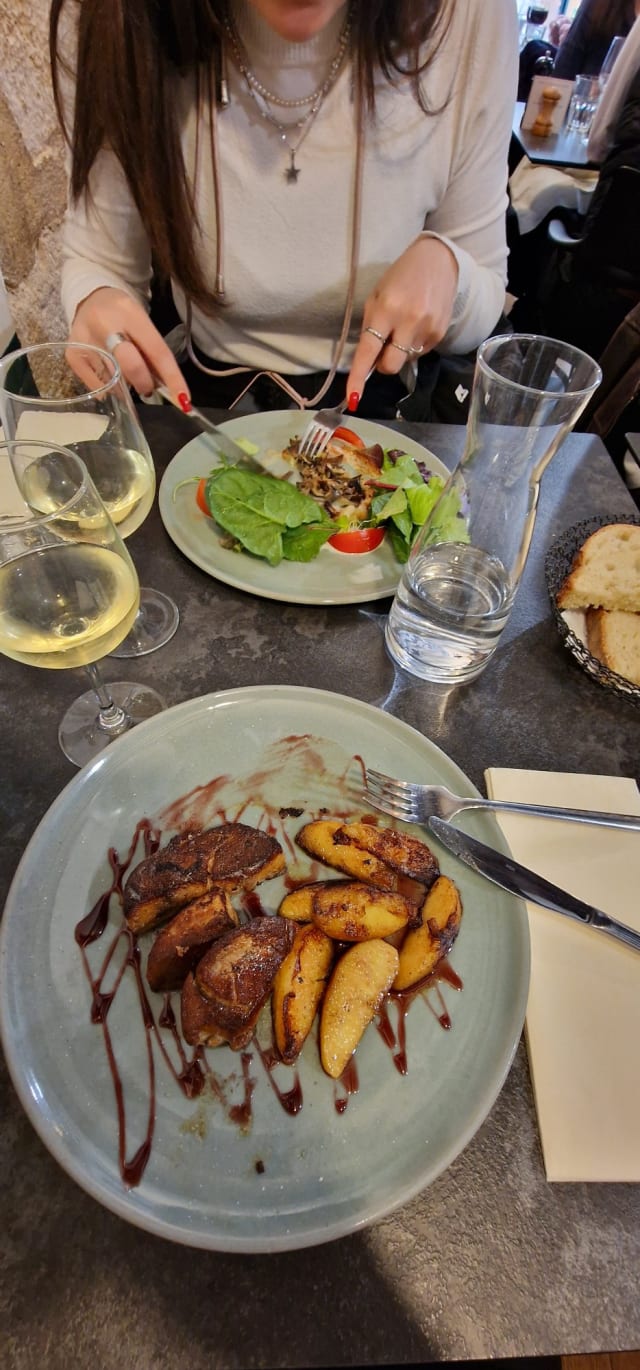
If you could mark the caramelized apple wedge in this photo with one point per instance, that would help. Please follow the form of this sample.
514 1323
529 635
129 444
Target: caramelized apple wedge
237 973
298 904
317 839
356 989
426 945
298 988
352 912
404 854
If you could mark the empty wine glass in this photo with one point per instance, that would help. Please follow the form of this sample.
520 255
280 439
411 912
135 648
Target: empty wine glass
82 402
613 52
69 592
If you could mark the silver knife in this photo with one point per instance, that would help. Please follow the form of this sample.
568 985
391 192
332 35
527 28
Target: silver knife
517 879
224 444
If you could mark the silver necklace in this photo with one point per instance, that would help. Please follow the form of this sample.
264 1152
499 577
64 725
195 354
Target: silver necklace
264 98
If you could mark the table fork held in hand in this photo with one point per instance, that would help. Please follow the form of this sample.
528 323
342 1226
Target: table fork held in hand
322 427
317 433
413 803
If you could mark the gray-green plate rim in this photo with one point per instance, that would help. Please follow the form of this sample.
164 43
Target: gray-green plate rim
90 778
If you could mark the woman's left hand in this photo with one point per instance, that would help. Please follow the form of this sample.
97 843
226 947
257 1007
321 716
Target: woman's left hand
409 311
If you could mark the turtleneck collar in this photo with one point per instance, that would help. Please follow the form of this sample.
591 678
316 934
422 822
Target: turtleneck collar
265 48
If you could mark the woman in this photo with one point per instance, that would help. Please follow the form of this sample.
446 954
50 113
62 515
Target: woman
586 45
588 290
324 185
604 133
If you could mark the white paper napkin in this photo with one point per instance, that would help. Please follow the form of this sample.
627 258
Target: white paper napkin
42 425
583 1013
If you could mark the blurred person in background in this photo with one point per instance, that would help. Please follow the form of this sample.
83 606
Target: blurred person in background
607 127
586 45
585 293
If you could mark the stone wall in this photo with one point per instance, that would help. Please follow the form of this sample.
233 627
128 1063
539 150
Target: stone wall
32 174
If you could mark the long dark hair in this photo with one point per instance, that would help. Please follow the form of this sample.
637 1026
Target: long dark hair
129 53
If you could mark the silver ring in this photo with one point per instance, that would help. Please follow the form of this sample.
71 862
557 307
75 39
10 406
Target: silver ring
409 351
113 340
380 336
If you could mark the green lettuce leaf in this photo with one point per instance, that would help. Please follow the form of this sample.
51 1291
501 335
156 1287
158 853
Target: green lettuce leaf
257 510
304 543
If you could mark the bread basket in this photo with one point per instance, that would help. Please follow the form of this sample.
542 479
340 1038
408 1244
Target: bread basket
558 563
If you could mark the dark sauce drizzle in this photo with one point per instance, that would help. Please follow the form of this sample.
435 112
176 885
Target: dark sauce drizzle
350 1084
242 1114
88 930
193 1072
290 1100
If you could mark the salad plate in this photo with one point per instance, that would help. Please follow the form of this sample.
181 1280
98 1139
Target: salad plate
332 577
265 1177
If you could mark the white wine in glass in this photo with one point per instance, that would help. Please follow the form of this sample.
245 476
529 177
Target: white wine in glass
69 592
81 401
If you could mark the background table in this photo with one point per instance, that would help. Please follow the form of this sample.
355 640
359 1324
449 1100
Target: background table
563 149
490 1260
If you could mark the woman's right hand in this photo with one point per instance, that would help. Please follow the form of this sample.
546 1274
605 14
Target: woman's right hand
558 29
144 358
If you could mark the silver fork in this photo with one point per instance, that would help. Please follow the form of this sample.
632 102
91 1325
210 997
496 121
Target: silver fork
416 803
317 433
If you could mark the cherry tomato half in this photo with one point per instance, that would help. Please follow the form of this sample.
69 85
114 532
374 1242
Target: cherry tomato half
348 435
201 499
357 539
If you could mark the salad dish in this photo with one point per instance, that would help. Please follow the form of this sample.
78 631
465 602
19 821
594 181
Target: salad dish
287 528
225 1146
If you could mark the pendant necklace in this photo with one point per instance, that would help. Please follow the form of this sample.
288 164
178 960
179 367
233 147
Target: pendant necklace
292 172
264 98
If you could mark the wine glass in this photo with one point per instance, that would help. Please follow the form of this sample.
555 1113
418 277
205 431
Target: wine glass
69 591
82 402
537 16
613 52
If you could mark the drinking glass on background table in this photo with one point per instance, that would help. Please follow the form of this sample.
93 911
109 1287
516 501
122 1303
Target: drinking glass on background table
583 105
459 584
83 403
69 592
613 53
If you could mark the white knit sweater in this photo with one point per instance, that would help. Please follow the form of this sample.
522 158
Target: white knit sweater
286 246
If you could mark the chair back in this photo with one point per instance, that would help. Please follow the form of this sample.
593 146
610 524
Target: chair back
610 247
620 385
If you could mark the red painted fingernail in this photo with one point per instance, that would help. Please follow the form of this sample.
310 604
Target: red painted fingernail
184 402
354 400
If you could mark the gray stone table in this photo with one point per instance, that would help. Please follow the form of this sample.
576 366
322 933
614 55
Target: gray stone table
490 1260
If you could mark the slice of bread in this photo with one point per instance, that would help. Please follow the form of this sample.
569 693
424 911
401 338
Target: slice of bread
606 571
613 636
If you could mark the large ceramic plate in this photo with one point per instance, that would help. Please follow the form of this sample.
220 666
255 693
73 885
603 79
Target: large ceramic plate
288 1181
332 577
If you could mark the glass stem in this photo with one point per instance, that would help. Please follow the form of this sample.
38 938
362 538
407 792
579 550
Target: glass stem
111 718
